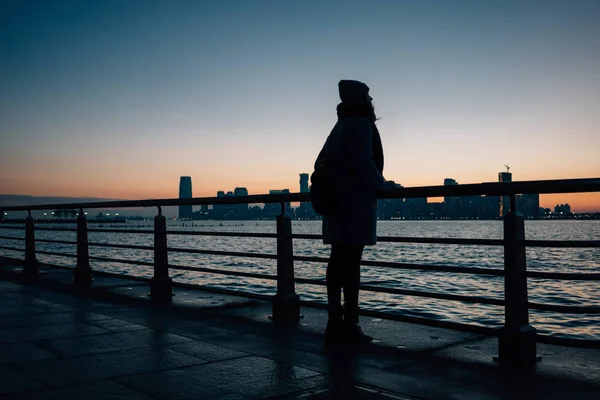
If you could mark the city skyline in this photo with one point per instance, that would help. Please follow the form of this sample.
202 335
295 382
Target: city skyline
548 201
118 100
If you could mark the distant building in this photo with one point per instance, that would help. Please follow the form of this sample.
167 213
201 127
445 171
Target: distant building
305 210
416 208
185 192
219 211
529 205
240 191
451 203
504 200
304 183
273 209
564 209
241 210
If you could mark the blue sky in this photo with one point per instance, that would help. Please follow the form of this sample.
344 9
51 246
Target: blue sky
120 98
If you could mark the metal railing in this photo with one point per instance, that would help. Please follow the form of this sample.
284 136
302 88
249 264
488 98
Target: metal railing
517 338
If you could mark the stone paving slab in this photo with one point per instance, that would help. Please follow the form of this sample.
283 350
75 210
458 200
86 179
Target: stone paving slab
25 320
25 334
247 377
207 352
66 371
15 353
98 390
116 325
13 381
110 342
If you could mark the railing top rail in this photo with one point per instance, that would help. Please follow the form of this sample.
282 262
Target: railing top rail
476 189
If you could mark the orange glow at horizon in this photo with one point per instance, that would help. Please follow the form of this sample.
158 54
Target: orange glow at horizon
149 189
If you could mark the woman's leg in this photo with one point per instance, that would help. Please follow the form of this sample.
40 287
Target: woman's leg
334 282
351 283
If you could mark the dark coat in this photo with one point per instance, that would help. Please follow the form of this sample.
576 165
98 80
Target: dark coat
357 178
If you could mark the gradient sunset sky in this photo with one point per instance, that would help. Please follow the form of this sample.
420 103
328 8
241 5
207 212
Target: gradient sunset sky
118 99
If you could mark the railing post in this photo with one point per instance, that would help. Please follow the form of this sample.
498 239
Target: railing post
286 303
161 286
31 268
517 339
83 271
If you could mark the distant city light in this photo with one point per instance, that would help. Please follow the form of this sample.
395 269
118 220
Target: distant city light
116 213
85 213
107 214
52 213
45 214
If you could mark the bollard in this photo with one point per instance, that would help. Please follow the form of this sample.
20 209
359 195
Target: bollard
31 268
83 271
517 339
286 303
161 286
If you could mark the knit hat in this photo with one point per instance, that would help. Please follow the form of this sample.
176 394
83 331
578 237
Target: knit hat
353 91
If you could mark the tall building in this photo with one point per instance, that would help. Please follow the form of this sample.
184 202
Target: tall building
529 205
274 209
219 210
504 200
563 209
185 192
303 183
241 210
451 203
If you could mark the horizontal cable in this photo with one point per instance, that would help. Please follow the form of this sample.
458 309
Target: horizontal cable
55 241
570 276
224 253
223 272
57 229
233 234
463 241
108 230
141 231
11 238
399 239
394 265
563 243
565 309
122 246
53 253
22 228
418 293
122 261
11 248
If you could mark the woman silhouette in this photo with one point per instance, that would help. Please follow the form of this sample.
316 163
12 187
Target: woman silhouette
356 160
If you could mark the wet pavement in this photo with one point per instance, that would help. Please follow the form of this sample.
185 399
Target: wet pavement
58 341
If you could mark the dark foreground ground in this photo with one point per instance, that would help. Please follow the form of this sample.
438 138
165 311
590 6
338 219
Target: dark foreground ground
110 342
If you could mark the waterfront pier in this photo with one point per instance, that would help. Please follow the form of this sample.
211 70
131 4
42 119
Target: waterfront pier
78 332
